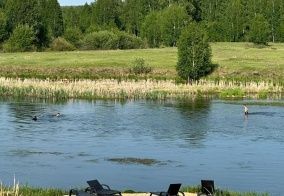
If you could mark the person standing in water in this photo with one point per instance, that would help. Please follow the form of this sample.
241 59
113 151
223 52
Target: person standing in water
246 109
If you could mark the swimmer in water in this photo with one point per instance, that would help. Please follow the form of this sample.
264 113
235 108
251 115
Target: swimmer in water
34 118
58 114
246 109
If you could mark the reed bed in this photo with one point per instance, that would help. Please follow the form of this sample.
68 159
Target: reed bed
132 89
10 191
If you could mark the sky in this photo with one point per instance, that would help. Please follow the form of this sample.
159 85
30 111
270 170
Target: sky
74 2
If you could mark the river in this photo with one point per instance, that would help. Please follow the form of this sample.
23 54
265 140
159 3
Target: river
143 145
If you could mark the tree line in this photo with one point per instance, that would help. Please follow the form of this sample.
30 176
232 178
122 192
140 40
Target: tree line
37 25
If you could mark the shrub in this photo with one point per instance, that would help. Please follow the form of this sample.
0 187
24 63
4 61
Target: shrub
232 93
262 94
60 44
102 40
140 67
127 41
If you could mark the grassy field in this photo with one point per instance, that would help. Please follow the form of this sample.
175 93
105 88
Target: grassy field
85 64
234 61
242 69
246 61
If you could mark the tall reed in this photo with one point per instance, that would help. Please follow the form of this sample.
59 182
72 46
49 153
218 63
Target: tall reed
10 191
132 89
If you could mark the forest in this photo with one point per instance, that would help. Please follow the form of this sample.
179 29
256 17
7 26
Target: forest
43 25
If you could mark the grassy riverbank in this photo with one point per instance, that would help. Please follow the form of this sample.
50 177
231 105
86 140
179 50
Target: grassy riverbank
242 69
17 190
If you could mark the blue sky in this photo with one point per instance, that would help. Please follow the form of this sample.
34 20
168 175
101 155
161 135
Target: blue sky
74 2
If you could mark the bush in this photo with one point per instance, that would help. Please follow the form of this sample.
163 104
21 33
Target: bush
102 40
127 41
73 35
60 44
262 94
140 67
232 93
21 40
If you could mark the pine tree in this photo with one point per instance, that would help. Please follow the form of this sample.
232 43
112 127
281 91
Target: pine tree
52 14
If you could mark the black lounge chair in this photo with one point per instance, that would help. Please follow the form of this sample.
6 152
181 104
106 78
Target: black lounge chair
207 188
173 190
98 188
79 193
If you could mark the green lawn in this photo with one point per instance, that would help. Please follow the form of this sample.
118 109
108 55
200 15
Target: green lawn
248 60
234 60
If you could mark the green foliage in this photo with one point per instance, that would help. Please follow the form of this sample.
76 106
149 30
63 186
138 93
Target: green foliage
237 92
127 41
20 12
151 29
74 36
52 13
60 44
280 29
3 26
107 40
262 94
194 53
28 191
259 33
132 16
140 67
21 40
191 189
102 40
173 19
71 17
107 12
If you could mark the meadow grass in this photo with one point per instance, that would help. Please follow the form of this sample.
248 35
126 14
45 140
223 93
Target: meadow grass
235 61
245 61
241 69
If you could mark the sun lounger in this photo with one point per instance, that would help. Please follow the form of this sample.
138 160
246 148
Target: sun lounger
79 193
207 187
173 190
99 189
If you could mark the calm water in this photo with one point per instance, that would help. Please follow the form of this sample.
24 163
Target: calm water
190 140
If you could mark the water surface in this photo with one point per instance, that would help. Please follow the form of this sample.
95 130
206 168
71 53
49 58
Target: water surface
186 140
